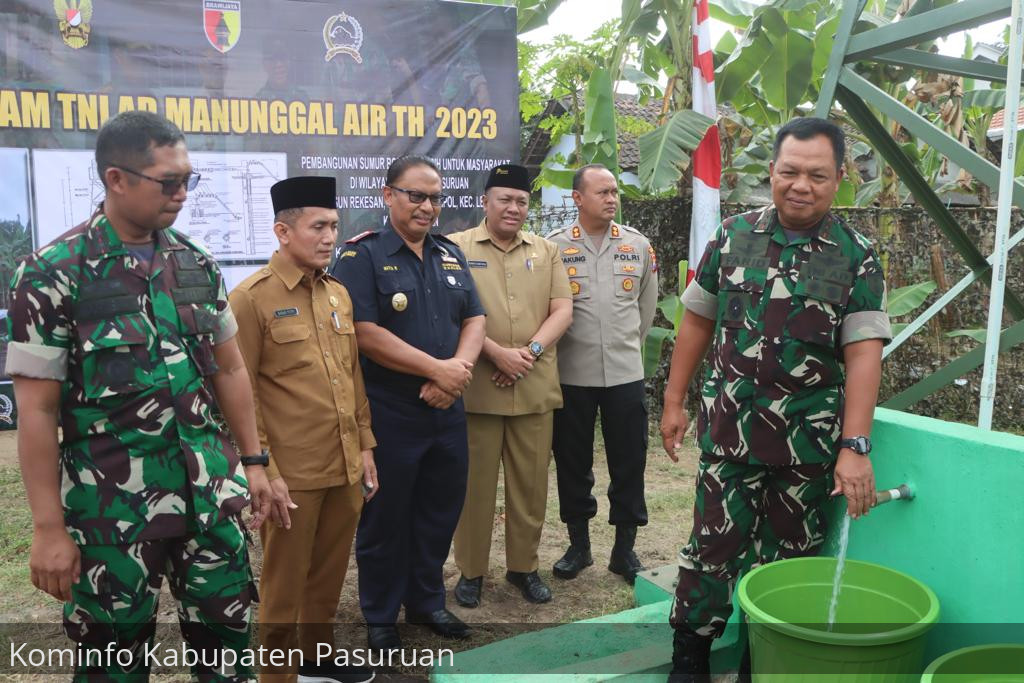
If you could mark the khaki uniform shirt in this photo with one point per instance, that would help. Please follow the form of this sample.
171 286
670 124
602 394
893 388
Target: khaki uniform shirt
614 299
516 288
298 340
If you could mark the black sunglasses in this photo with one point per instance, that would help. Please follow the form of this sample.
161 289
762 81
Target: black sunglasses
417 197
168 187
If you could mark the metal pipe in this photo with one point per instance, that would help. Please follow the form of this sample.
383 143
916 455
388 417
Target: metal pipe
999 255
901 492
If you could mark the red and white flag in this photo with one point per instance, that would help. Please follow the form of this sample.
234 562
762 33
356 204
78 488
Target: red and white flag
707 158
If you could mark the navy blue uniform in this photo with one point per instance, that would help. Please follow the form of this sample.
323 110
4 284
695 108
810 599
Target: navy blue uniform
422 455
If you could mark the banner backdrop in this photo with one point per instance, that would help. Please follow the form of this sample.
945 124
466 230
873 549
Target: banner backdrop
263 89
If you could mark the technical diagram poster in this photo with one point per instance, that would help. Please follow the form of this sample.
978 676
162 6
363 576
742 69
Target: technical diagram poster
67 190
229 212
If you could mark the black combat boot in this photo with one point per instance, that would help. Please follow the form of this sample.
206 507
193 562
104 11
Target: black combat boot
623 561
577 557
691 657
744 675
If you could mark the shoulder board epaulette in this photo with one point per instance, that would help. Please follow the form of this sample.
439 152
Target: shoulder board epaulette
254 279
556 232
742 221
362 235
860 239
204 256
629 228
444 238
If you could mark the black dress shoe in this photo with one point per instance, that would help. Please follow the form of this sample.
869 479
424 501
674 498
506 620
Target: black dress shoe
331 673
442 622
530 584
467 591
383 638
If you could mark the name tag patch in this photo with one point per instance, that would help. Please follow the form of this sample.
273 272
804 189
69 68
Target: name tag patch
478 264
451 266
286 312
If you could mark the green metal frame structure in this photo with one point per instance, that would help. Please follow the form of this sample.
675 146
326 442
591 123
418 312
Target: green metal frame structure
893 44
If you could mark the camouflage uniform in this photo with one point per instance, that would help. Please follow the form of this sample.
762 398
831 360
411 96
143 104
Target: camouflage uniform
150 482
772 396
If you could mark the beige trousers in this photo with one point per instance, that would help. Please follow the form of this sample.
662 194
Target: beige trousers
521 444
303 572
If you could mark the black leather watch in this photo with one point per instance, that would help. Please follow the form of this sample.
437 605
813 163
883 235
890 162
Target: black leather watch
262 459
858 444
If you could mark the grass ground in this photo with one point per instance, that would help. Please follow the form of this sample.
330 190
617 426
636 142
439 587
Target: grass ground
669 491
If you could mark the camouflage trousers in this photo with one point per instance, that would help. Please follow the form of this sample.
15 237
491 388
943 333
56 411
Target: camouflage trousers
745 515
117 595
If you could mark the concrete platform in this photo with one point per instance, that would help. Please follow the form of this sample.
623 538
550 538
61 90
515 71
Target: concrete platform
634 645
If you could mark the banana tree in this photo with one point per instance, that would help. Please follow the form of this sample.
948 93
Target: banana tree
903 300
530 14
774 71
672 308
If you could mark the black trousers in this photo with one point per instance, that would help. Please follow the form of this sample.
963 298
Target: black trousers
624 427
406 531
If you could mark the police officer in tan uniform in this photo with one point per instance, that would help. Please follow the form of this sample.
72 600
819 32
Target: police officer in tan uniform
613 277
296 334
514 391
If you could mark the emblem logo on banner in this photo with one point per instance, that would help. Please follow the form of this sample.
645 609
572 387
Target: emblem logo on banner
6 409
222 23
73 17
343 35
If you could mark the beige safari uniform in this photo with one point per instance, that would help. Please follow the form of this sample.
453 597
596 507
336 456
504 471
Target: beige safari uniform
510 426
614 299
298 340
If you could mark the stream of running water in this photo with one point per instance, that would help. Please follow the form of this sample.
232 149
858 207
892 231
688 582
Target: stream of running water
837 582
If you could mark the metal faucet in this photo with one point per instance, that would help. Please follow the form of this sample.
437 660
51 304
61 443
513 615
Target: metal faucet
901 492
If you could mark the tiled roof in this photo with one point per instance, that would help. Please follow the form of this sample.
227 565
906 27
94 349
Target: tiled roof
997 119
629 151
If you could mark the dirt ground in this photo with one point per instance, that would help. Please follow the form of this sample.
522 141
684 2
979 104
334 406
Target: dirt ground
669 491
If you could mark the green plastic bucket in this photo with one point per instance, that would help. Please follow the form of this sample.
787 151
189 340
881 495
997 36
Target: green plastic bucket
882 620
981 664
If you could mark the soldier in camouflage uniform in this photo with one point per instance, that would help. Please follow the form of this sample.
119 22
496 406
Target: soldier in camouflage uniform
785 297
120 329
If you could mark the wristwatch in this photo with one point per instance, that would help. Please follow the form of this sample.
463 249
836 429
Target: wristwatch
536 348
858 444
262 459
